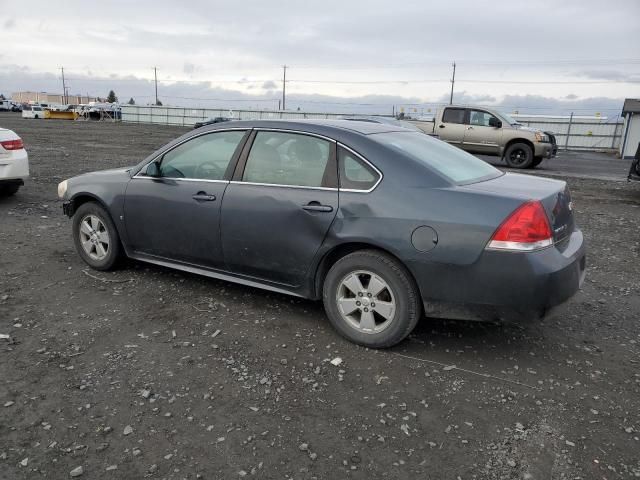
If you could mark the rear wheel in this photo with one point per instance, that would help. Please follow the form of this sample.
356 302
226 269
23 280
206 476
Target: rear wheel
371 299
95 236
519 155
8 190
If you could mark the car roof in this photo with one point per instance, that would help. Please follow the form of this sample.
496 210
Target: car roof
321 127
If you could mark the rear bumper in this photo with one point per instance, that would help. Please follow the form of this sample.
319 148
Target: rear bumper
505 285
14 167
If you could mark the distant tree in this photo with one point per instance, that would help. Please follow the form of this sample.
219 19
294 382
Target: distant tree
159 103
2 97
111 98
131 101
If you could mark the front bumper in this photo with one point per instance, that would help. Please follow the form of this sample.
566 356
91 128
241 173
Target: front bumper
544 150
510 286
68 209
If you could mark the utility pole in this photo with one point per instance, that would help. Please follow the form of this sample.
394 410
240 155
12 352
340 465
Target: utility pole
284 87
155 74
453 81
64 88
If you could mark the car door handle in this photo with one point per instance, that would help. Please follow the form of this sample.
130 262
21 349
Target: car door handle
316 207
469 128
440 126
203 197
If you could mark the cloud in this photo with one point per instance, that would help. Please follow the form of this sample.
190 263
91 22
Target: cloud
269 85
206 93
9 24
615 75
189 68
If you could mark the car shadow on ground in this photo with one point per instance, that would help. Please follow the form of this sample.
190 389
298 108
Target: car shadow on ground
443 337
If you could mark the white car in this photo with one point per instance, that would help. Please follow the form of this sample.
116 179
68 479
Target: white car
32 111
14 162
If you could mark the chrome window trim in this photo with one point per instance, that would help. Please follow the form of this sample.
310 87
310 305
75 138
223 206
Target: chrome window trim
357 190
229 129
300 132
175 179
237 182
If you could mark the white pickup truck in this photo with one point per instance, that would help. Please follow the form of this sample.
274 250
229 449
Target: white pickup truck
486 131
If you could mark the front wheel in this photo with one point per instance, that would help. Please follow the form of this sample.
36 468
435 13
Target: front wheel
95 236
536 161
371 299
519 155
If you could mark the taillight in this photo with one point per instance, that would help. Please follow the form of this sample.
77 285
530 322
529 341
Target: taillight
12 144
527 228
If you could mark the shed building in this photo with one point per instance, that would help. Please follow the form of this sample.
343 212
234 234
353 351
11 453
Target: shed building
631 128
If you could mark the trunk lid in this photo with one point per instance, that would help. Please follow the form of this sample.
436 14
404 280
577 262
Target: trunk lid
553 194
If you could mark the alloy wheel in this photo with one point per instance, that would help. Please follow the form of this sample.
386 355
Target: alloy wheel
365 301
518 156
94 237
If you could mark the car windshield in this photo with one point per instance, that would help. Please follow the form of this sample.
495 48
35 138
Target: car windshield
458 166
509 120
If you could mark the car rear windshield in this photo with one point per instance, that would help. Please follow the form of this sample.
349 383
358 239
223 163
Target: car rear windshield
457 165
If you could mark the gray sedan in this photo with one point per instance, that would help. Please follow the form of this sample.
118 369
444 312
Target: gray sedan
383 224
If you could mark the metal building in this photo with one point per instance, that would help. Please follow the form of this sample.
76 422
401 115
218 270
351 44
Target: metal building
631 128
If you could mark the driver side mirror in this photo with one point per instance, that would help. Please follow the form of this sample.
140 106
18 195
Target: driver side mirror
494 122
152 170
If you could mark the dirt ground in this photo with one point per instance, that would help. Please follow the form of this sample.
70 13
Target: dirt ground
149 372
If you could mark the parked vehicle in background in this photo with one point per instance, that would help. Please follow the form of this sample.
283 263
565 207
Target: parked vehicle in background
5 105
32 111
14 162
380 222
489 132
383 120
634 170
211 121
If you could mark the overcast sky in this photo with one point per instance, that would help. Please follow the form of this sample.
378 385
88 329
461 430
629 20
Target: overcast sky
534 56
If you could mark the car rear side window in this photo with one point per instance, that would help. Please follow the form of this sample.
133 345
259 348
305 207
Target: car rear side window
453 115
282 158
205 157
355 174
452 163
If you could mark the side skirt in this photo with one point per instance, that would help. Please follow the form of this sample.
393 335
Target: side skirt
227 277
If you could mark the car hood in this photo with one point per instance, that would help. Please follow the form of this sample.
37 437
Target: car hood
526 129
102 173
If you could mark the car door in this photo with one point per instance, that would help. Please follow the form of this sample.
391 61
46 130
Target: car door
451 127
280 205
480 136
176 213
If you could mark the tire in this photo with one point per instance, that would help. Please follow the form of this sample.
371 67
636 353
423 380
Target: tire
536 161
519 155
102 251
36 116
8 190
400 298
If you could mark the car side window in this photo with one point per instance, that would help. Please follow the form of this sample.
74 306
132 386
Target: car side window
480 118
205 157
355 174
453 115
280 158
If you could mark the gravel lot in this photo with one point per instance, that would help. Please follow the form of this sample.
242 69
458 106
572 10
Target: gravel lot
148 372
